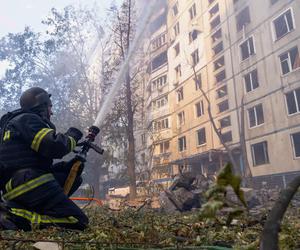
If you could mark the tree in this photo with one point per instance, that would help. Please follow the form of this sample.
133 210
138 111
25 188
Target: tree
60 61
129 100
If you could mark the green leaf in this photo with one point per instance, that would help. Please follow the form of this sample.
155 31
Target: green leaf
226 177
210 209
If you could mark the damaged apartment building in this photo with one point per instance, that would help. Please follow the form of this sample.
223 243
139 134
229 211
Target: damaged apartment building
242 62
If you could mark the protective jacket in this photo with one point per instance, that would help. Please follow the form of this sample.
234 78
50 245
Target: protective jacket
31 185
29 141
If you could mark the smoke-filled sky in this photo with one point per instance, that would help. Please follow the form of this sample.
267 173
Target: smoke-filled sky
16 14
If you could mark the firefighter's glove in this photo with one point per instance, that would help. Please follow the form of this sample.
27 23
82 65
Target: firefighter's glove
75 133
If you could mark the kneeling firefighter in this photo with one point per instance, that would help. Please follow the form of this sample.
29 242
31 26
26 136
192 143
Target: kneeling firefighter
32 187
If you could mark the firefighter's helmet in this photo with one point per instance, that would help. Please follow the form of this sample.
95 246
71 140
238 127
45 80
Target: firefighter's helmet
34 97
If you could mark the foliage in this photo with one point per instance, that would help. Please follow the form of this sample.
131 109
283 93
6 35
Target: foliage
216 196
144 229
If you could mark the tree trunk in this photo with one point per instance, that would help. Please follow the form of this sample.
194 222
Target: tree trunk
131 147
247 175
269 237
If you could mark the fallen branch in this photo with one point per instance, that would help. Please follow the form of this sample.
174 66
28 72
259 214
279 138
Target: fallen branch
269 237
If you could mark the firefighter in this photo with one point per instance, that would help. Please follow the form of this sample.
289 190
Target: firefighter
32 187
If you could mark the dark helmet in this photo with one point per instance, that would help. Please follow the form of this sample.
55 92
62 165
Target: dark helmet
35 97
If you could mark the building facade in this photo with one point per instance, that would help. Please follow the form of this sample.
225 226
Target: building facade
226 64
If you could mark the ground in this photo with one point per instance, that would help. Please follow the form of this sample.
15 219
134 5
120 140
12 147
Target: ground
129 229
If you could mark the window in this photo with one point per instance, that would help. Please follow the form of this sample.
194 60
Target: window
193 11
219 63
198 82
181 118
296 143
218 48
160 102
199 109
177 49
180 94
162 124
159 60
283 24
247 48
221 92
164 147
225 122
195 57
216 36
251 81
214 23
256 116
159 82
176 29
214 10
178 71
223 106
181 144
175 9
220 76
242 19
158 42
201 136
293 101
260 153
226 137
193 35
290 60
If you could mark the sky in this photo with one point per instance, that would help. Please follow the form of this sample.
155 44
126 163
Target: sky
16 14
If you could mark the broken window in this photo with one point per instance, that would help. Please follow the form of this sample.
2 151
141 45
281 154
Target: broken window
176 29
219 63
214 10
218 48
195 57
290 60
283 24
177 49
175 9
256 115
296 143
201 136
182 144
225 122
181 118
198 82
221 92
223 106
178 72
251 81
193 11
180 94
193 35
159 60
247 48
260 153
226 137
199 108
242 19
214 23
216 36
220 76
293 101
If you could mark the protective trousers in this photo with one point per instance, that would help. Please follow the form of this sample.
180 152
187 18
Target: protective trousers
37 200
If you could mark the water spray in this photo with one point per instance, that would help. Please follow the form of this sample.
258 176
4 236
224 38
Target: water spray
107 105
108 102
